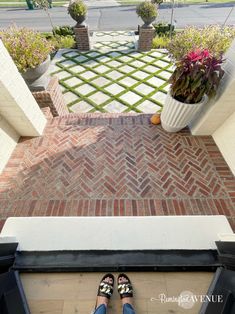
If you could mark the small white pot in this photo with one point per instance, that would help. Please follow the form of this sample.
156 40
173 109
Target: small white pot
177 115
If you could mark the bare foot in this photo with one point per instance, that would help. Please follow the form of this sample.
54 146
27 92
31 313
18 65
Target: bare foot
103 300
129 300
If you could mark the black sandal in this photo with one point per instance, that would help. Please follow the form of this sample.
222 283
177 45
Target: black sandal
105 289
125 289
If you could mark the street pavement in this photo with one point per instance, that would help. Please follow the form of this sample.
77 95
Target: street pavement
113 17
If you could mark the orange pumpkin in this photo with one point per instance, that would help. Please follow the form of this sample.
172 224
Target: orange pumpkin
155 119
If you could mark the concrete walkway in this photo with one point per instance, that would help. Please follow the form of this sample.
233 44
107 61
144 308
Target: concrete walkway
113 76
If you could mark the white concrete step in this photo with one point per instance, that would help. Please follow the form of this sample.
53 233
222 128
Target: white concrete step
115 233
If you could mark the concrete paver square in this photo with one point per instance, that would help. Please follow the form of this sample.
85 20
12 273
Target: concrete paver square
72 54
67 63
128 81
137 63
166 88
81 106
126 69
161 64
73 81
147 59
77 69
115 107
135 54
114 75
151 69
99 98
156 81
88 75
165 74
114 63
101 81
114 54
148 107
130 98
69 97
93 54
125 59
140 75
144 89
85 89
171 68
159 96
103 58
91 63
61 75
114 89
80 58
156 54
102 69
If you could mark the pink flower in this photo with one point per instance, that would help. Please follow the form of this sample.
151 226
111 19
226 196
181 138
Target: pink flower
197 55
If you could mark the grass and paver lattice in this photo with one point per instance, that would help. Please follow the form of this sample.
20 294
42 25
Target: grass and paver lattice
113 77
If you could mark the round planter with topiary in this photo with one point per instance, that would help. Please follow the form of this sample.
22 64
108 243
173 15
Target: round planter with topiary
148 12
195 79
78 11
29 50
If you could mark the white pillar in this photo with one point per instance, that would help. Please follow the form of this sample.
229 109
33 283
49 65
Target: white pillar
17 105
8 140
224 137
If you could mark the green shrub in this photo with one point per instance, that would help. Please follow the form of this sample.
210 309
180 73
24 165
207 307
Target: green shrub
158 2
160 42
146 10
77 8
66 42
60 42
63 30
214 38
27 47
163 29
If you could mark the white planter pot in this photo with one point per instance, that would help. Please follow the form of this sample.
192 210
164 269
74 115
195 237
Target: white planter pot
177 115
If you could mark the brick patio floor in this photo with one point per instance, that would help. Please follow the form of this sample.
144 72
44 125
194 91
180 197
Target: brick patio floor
107 164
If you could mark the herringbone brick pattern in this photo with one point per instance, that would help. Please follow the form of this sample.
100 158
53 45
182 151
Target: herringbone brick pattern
106 164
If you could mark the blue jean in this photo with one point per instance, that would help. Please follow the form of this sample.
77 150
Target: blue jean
127 309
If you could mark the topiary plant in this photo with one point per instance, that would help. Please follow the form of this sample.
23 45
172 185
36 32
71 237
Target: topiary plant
196 74
77 10
147 11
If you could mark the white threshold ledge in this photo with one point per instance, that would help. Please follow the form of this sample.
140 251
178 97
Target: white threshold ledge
115 233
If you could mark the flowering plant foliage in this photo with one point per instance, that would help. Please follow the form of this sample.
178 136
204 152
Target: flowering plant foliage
215 38
196 74
27 47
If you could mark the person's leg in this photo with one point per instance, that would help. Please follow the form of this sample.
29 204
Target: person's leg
125 290
101 309
128 309
105 291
